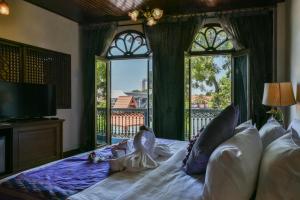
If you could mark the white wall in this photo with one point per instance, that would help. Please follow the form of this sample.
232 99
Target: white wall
32 25
293 31
288 48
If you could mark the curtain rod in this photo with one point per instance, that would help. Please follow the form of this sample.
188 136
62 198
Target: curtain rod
213 14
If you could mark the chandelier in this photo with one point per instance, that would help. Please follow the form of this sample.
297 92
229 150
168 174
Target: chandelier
150 16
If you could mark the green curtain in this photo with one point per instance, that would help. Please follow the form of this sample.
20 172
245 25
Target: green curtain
95 41
241 85
168 41
255 33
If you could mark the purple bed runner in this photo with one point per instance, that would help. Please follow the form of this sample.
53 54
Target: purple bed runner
60 180
57 181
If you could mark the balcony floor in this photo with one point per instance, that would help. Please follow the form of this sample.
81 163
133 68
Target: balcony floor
114 140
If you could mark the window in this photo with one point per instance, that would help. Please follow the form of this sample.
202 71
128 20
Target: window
208 74
127 104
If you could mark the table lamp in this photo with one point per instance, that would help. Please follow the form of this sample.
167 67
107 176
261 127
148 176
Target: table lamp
278 95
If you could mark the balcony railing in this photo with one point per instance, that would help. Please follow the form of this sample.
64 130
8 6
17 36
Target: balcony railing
199 118
126 122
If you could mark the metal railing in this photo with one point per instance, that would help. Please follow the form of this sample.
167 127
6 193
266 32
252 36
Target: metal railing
198 119
126 122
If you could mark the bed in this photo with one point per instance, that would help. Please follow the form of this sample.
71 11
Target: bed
75 178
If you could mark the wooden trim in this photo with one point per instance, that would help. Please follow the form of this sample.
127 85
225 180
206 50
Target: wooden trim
15 43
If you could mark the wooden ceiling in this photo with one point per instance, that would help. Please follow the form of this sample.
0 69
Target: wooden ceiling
94 11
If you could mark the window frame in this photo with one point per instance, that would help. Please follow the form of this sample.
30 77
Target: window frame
207 52
189 54
109 58
125 56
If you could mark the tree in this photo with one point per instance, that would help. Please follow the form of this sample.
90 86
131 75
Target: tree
101 92
204 72
222 98
204 75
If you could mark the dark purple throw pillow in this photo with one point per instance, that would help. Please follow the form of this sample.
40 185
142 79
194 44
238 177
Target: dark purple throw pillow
190 146
216 132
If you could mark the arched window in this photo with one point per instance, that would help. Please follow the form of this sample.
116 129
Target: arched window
124 88
128 44
208 77
212 38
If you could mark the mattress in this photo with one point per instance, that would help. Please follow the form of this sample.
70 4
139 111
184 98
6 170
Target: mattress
168 181
51 181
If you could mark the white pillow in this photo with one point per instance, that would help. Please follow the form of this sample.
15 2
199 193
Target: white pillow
233 167
271 131
279 177
243 126
295 124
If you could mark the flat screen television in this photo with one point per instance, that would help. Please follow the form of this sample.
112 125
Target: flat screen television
22 101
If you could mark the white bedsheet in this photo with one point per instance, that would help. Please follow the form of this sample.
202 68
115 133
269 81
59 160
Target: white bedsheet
168 181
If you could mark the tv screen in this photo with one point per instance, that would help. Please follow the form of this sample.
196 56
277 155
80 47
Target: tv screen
26 100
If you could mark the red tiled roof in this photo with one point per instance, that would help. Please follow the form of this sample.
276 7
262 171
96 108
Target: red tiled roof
203 98
125 102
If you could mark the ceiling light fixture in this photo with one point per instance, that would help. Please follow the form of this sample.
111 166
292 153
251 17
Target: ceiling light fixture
4 9
151 16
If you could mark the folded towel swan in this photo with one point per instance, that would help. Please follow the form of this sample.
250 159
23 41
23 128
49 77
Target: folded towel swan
144 154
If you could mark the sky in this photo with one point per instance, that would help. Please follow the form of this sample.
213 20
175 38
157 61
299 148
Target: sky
127 75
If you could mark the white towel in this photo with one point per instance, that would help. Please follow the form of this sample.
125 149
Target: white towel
144 154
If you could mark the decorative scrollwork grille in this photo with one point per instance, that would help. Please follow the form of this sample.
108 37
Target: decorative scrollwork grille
128 44
212 38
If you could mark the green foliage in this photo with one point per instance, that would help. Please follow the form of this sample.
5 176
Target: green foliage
222 98
101 83
277 114
204 72
204 77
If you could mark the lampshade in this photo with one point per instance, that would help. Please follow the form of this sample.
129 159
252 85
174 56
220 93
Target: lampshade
278 94
4 9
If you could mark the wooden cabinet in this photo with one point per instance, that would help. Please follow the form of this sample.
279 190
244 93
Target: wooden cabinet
5 149
35 143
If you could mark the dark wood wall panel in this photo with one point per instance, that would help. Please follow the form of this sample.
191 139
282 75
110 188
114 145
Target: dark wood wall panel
60 76
21 63
34 66
10 62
